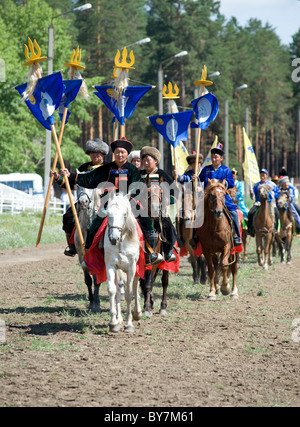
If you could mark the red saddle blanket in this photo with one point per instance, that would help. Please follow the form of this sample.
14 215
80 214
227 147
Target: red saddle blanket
94 257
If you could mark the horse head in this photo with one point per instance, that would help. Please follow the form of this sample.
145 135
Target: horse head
264 190
118 211
215 194
282 201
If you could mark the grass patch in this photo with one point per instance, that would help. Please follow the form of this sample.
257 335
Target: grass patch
17 231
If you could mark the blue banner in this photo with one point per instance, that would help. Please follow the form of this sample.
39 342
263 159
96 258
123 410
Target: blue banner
127 103
173 127
45 99
206 109
70 91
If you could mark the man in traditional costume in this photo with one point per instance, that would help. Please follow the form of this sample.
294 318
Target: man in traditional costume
264 179
284 185
150 173
189 174
240 197
220 172
113 175
97 149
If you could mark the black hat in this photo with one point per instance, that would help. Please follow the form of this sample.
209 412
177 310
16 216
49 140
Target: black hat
96 145
123 143
218 150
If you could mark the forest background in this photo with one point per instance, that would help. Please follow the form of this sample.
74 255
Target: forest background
251 54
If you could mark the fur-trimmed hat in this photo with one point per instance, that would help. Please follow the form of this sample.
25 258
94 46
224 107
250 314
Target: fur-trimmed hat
192 158
96 145
123 143
136 154
283 180
150 151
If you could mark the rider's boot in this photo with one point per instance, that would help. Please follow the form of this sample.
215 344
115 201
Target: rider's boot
151 257
71 250
236 229
169 254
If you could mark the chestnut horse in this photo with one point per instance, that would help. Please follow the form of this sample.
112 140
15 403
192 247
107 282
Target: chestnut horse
185 232
264 227
217 241
287 226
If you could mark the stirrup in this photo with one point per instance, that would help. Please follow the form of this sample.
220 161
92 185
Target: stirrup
152 260
170 257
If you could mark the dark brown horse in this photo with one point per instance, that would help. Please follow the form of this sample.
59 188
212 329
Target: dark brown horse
217 242
185 233
155 212
287 226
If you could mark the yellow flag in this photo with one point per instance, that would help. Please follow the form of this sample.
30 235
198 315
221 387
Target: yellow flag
181 154
250 166
207 161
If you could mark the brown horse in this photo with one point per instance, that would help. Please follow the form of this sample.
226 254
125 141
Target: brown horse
287 226
185 232
233 193
217 242
264 227
155 212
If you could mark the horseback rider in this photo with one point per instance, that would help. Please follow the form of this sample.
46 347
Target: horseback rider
220 172
264 179
135 158
150 172
189 174
96 149
285 185
113 175
240 197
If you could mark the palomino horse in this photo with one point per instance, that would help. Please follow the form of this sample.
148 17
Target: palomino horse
287 226
87 206
217 242
233 193
155 213
185 232
264 227
121 251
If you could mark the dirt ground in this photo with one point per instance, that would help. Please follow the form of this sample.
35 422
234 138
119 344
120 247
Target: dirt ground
203 353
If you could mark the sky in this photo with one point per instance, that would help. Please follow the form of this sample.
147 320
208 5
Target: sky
282 15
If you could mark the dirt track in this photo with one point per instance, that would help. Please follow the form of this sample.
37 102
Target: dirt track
224 353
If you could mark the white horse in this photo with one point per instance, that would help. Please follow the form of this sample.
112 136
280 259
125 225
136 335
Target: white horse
121 251
87 206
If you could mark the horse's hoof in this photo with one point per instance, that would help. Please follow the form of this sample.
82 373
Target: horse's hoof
212 298
114 328
137 316
96 309
234 296
129 329
163 312
225 291
147 313
265 267
203 281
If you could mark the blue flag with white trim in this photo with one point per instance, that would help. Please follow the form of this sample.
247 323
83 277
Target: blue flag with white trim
173 127
45 99
70 91
127 103
206 109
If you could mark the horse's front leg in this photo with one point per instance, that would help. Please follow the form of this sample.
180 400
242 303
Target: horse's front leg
96 299
114 325
234 270
165 284
202 269
268 249
225 288
146 285
89 284
289 249
128 296
137 314
259 249
211 274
